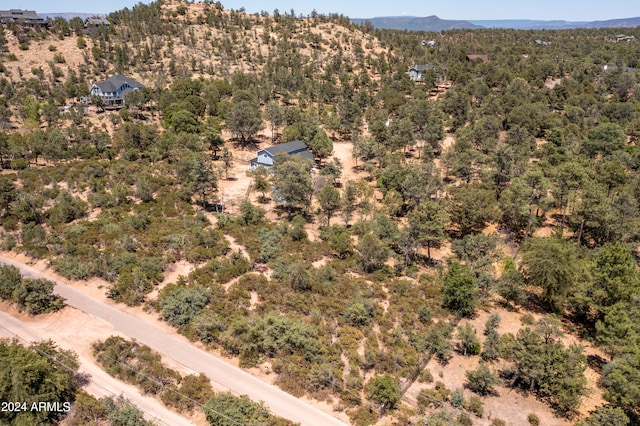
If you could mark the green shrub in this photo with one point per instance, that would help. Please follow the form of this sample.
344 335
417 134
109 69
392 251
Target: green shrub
425 376
474 405
19 164
131 287
66 208
72 268
457 398
464 419
179 305
193 391
36 297
134 363
8 242
527 319
227 409
226 270
491 347
492 324
9 223
251 214
441 388
364 416
469 343
360 313
10 280
29 376
482 380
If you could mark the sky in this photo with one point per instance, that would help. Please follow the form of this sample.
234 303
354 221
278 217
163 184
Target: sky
569 10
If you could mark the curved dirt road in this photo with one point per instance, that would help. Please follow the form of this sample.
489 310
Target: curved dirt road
180 350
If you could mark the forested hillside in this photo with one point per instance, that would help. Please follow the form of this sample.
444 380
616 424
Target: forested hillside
455 239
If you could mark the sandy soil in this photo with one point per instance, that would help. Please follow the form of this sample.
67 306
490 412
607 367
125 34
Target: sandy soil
343 151
511 405
234 247
171 275
234 190
39 55
75 326
77 331
446 144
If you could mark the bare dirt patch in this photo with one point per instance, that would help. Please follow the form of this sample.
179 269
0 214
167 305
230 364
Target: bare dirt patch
171 275
234 247
509 404
38 55
343 151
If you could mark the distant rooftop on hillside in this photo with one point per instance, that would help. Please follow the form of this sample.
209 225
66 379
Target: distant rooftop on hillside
22 17
96 21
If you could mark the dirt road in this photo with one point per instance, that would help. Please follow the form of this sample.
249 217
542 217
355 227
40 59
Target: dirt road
182 351
101 383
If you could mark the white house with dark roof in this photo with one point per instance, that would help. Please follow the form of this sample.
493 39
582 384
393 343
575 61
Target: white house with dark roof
266 157
415 72
113 90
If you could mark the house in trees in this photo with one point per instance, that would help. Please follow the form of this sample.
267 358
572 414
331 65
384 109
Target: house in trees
266 157
415 72
28 18
112 90
622 37
615 68
96 22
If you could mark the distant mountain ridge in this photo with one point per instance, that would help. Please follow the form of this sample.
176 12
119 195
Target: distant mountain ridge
435 24
615 23
415 23
530 24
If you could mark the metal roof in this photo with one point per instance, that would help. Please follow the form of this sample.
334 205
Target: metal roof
422 67
286 147
113 83
97 21
19 15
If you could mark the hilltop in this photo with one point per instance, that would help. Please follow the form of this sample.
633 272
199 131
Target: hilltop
208 40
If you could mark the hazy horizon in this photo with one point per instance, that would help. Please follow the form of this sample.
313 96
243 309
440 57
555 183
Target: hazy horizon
587 10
